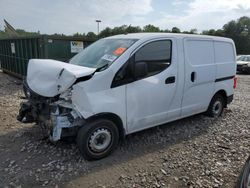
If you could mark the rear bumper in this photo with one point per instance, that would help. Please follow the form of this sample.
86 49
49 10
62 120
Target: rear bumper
230 99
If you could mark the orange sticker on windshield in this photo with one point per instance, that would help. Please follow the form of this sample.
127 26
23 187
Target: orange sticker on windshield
119 51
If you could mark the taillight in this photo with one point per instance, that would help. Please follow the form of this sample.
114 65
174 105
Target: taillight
235 82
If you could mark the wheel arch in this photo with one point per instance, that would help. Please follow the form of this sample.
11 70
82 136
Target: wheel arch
223 93
112 117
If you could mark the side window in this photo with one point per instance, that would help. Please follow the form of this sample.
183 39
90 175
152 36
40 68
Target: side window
156 54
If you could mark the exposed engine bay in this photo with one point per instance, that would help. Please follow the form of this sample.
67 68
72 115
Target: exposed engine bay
48 97
55 115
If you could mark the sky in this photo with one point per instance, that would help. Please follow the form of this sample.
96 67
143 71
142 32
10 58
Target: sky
71 16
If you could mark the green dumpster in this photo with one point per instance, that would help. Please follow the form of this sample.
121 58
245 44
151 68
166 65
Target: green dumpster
16 52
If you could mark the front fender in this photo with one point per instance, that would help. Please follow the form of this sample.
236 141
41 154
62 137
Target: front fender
89 103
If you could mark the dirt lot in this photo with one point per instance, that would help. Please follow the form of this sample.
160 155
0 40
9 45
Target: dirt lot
194 152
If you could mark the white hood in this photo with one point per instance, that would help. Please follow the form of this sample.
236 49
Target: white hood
49 77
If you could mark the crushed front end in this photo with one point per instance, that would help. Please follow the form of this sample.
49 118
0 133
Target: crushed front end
55 115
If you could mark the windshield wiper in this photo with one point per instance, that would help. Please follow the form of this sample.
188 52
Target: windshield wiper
102 67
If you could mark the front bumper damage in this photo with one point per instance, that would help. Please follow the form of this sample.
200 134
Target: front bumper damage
48 103
58 118
64 117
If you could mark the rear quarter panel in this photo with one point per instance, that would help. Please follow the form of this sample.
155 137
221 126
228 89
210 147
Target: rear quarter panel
225 60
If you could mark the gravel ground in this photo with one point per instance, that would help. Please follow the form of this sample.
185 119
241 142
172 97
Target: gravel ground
194 152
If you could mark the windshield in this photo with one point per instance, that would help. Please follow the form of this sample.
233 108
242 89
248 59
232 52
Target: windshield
102 53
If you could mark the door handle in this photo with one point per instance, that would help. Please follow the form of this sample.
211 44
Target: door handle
193 76
170 80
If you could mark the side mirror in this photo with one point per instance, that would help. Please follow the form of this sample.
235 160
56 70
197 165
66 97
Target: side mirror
141 70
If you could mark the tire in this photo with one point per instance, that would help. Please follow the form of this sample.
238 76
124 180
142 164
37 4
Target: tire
216 106
244 179
103 131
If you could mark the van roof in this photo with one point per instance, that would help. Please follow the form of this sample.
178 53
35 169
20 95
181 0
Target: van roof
175 35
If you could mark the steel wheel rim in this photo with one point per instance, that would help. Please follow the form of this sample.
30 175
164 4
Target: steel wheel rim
217 107
100 140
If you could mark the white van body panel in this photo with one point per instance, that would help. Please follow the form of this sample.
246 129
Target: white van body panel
90 100
136 104
225 58
226 86
149 101
159 101
199 61
95 96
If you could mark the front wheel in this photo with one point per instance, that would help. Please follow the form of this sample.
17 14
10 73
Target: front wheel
216 106
97 139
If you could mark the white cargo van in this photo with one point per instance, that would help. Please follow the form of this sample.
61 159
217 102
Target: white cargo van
127 83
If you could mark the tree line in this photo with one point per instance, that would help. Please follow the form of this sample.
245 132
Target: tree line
238 30
124 29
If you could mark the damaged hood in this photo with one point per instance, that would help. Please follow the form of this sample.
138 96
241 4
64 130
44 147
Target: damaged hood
49 77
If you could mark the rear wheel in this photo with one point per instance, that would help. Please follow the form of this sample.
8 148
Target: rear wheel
216 106
97 139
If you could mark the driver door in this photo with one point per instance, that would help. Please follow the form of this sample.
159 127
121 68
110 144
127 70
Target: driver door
151 100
